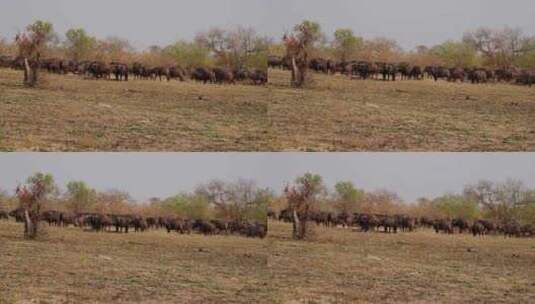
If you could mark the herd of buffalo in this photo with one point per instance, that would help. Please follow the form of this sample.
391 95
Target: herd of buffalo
394 223
125 223
404 70
121 71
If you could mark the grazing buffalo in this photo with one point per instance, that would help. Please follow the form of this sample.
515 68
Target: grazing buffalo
3 215
527 230
258 77
460 224
203 74
223 75
477 229
97 222
489 226
388 70
526 78
443 226
438 72
52 217
275 62
6 61
456 74
416 73
120 71
175 72
257 230
18 214
204 227
286 216
512 229
406 223
477 76
99 69
405 69
151 222
367 222
122 223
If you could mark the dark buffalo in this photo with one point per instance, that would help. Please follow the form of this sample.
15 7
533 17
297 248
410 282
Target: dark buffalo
367 222
416 73
120 71
18 214
122 223
457 74
388 70
52 217
443 226
223 75
477 229
406 223
175 72
460 224
99 69
526 78
478 76
275 62
512 229
204 227
258 77
203 74
3 215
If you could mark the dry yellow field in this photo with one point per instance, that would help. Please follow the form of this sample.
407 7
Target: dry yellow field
72 266
343 266
338 266
68 113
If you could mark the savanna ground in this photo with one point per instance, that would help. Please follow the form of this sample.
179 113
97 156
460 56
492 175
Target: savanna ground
334 114
71 266
68 265
344 266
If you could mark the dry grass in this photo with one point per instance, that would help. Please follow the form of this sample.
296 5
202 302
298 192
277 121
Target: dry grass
71 266
68 113
340 114
334 114
342 266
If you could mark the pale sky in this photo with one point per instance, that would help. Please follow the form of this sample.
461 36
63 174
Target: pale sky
146 175
144 23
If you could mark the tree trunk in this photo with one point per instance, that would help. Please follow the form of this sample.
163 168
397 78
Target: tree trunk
299 226
30 73
295 72
296 224
27 72
30 225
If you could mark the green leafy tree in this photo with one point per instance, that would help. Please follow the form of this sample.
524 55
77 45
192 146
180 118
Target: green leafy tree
459 54
346 44
189 54
347 197
79 45
80 196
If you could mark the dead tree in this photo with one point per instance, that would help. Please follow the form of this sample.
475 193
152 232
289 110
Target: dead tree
298 46
30 46
30 197
300 198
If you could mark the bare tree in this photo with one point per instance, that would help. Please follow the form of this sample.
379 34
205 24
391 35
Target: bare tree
299 45
501 47
31 44
501 200
31 196
301 197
